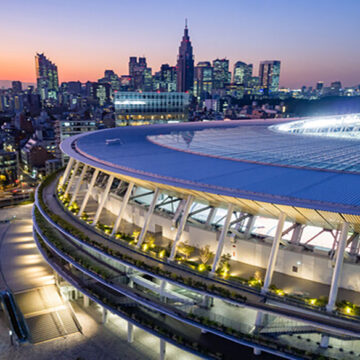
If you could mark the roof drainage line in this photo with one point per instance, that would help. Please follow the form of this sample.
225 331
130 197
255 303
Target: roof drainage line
278 311
168 313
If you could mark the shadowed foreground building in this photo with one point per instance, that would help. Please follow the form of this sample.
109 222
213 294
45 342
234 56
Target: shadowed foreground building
161 225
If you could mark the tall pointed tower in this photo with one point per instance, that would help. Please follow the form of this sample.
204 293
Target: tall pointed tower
185 63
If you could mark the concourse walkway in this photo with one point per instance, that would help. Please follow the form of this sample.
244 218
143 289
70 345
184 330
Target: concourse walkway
21 265
30 279
290 284
254 300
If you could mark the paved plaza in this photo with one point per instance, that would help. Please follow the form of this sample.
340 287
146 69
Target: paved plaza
23 268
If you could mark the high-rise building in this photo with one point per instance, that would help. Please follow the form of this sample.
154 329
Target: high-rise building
185 64
167 78
203 80
242 73
320 86
111 78
138 71
148 80
16 86
221 73
269 73
46 77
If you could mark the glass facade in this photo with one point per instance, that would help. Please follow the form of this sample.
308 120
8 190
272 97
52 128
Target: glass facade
141 108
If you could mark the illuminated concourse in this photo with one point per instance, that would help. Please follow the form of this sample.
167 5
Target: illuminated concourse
245 231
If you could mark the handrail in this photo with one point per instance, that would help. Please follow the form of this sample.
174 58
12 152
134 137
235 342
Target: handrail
189 322
258 306
16 321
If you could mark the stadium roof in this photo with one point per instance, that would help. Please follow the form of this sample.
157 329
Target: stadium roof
267 171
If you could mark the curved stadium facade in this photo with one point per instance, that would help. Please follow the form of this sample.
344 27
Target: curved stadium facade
214 236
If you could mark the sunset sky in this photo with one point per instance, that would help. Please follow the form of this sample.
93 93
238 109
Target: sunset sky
314 39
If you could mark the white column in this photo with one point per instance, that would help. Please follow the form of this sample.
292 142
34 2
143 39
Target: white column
148 218
257 351
162 349
354 245
259 319
181 227
338 267
104 316
119 186
72 178
178 211
130 334
324 342
88 193
206 301
122 208
103 200
249 226
162 289
273 254
222 237
66 173
86 301
211 216
78 184
297 233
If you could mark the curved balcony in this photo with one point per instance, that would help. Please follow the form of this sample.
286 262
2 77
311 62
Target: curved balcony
96 252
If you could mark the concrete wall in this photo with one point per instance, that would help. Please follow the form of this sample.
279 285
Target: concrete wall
314 266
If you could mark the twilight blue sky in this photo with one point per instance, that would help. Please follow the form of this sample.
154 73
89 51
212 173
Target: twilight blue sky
314 39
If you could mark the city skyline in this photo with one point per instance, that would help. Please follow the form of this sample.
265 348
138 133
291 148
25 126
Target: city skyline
105 38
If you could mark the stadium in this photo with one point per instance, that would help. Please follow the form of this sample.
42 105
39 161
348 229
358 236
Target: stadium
214 236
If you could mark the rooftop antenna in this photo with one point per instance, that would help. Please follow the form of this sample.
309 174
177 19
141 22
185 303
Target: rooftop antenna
186 23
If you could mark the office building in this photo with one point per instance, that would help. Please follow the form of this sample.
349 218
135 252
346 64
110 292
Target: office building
165 79
269 74
142 108
203 80
242 73
9 168
16 86
46 77
138 72
222 75
185 64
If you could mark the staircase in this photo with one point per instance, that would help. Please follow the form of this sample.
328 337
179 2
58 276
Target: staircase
46 314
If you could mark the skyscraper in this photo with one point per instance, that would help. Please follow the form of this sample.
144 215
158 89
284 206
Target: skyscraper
222 74
269 73
185 64
242 73
46 77
16 86
138 71
168 77
203 80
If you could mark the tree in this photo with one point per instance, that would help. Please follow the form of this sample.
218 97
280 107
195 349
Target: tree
205 254
224 265
257 275
185 249
150 240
